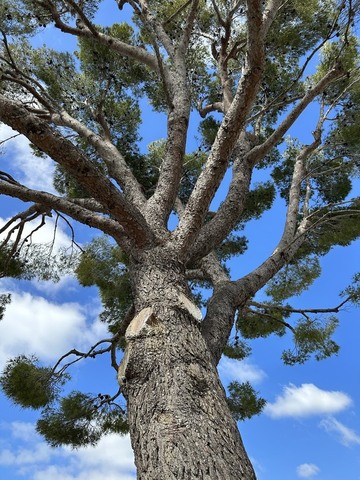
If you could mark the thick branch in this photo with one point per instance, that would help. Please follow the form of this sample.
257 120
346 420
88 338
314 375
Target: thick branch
77 212
185 38
161 203
216 328
78 165
130 51
227 135
229 213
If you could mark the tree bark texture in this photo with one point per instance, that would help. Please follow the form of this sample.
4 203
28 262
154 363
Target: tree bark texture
180 423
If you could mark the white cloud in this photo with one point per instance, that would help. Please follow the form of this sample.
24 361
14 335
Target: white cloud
242 371
34 172
307 470
50 289
305 401
106 455
346 435
23 431
32 324
112 458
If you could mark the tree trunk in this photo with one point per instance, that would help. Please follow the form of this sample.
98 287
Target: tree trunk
180 424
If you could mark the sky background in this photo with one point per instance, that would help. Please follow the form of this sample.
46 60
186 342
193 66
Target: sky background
310 427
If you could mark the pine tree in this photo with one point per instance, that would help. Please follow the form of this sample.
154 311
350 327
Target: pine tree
246 70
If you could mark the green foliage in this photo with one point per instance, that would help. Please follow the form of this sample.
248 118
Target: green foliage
208 129
16 19
67 185
311 337
101 64
11 264
237 349
192 167
339 226
34 260
336 51
353 290
28 384
261 323
5 299
244 401
231 246
103 264
294 278
80 420
26 17
258 200
55 69
43 264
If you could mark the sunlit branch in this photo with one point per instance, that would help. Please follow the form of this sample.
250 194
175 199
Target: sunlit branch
89 204
230 210
82 17
213 107
270 12
188 29
227 135
112 43
26 81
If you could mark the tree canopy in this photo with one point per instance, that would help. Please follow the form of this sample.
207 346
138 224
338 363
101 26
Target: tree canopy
244 72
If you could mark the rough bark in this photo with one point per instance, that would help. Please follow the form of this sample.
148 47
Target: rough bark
180 424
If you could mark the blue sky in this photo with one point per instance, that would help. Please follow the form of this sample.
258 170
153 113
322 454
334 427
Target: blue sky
311 426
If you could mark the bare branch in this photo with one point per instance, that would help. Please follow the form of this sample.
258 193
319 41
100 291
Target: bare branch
288 309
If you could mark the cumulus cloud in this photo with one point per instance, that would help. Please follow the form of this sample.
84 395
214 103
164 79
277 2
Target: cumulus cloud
33 324
307 400
243 371
112 458
24 163
307 470
346 435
